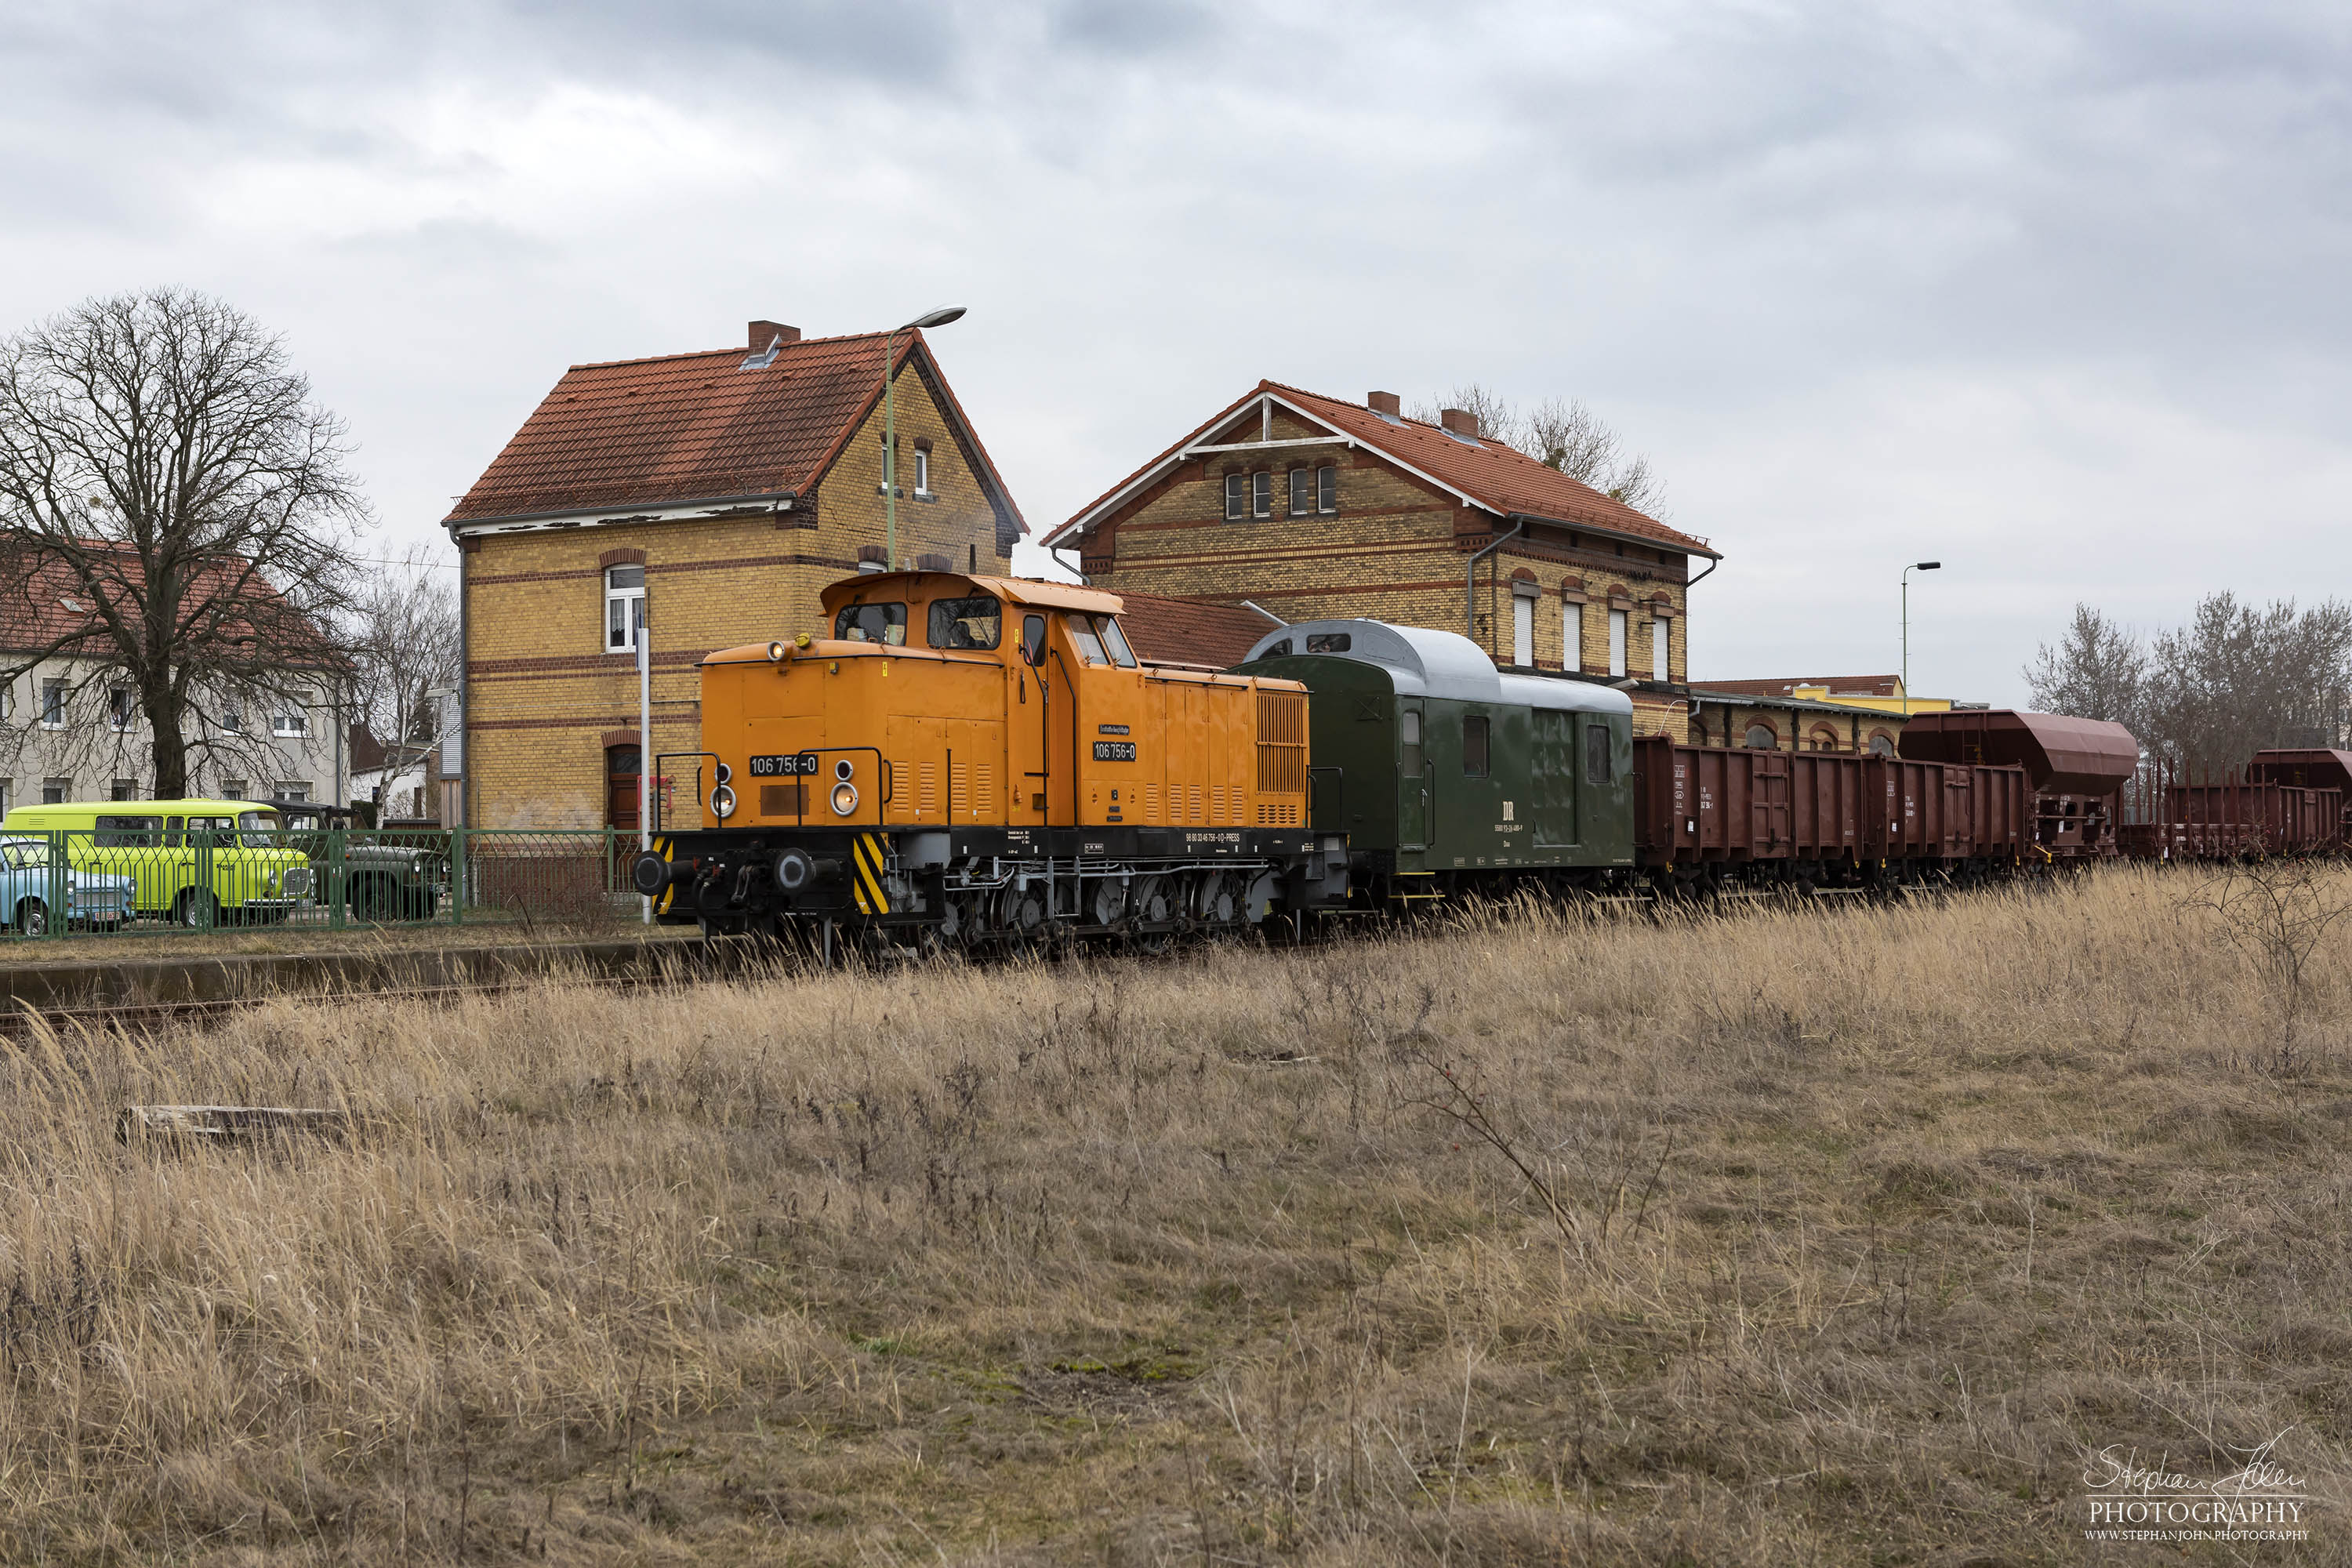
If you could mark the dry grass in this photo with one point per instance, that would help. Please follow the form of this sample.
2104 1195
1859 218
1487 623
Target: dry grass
144 942
1854 1233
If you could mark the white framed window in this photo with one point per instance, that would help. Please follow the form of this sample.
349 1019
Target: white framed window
53 705
7 795
624 607
8 702
1660 640
1617 642
1327 489
294 722
125 789
1237 497
290 790
233 789
232 718
118 713
1572 637
1302 491
1262 493
56 791
1523 629
922 472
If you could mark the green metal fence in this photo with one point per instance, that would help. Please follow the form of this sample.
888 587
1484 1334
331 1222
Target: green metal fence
62 882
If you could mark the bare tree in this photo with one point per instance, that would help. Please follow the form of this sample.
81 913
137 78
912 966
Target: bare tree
2095 671
174 517
1567 436
2237 680
402 631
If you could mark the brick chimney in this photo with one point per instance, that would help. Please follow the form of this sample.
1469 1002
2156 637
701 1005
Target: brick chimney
766 332
1461 421
1387 403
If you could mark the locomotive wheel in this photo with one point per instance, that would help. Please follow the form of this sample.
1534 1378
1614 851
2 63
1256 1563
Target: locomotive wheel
1214 901
1021 913
1153 906
1109 900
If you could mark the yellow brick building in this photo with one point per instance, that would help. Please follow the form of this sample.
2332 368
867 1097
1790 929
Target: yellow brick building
701 500
1308 507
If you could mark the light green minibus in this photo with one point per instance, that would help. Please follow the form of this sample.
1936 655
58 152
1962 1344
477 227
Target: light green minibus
196 862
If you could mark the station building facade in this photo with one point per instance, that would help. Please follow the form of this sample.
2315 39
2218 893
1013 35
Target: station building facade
1304 507
700 501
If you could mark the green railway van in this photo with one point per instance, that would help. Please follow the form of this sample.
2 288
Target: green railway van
196 862
1448 774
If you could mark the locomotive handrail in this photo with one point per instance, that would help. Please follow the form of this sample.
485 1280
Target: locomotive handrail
653 795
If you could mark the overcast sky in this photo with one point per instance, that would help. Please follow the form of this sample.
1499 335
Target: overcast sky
2055 294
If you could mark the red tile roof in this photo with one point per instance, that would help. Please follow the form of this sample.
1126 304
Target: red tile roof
1839 685
1190 631
1499 478
43 607
704 427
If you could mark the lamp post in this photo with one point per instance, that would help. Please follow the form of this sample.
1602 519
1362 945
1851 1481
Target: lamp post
938 317
1915 566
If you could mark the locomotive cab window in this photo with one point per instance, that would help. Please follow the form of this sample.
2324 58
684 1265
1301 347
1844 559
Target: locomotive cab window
1596 754
1329 642
1474 745
885 623
1099 641
975 622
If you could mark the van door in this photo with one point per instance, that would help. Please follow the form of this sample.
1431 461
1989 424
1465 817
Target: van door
1412 779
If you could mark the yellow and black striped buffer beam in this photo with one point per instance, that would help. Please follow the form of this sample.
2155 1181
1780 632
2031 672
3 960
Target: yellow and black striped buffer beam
661 904
865 883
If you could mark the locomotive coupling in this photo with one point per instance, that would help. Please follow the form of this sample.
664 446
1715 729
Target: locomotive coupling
651 872
796 868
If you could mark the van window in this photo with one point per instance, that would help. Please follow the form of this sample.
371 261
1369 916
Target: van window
967 623
885 623
1474 745
260 827
1596 754
127 832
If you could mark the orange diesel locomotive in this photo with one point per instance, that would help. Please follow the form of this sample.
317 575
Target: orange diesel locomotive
980 760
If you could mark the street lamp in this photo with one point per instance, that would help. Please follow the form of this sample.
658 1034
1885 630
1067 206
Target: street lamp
938 317
1915 566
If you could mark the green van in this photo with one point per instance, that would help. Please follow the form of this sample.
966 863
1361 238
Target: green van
196 862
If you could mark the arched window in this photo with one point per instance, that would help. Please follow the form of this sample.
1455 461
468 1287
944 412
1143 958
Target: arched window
1760 737
1823 739
1882 744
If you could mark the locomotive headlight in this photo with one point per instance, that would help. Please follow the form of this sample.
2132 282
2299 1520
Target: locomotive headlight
722 803
844 798
723 774
843 770
775 653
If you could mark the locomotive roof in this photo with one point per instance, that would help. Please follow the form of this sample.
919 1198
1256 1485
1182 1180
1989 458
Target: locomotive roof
1013 590
1425 662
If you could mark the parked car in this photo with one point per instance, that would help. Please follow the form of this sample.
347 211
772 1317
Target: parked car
198 862
92 898
388 875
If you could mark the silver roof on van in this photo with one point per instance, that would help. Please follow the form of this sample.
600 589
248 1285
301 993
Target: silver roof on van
1424 662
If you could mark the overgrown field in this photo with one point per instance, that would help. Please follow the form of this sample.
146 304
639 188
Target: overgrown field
1842 1237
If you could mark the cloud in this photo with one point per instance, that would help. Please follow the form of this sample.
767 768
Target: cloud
2052 290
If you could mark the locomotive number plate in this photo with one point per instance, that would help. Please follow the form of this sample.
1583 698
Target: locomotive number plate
786 766
1113 751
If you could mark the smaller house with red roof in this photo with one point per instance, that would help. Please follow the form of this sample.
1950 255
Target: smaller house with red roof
1302 507
701 500
263 722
